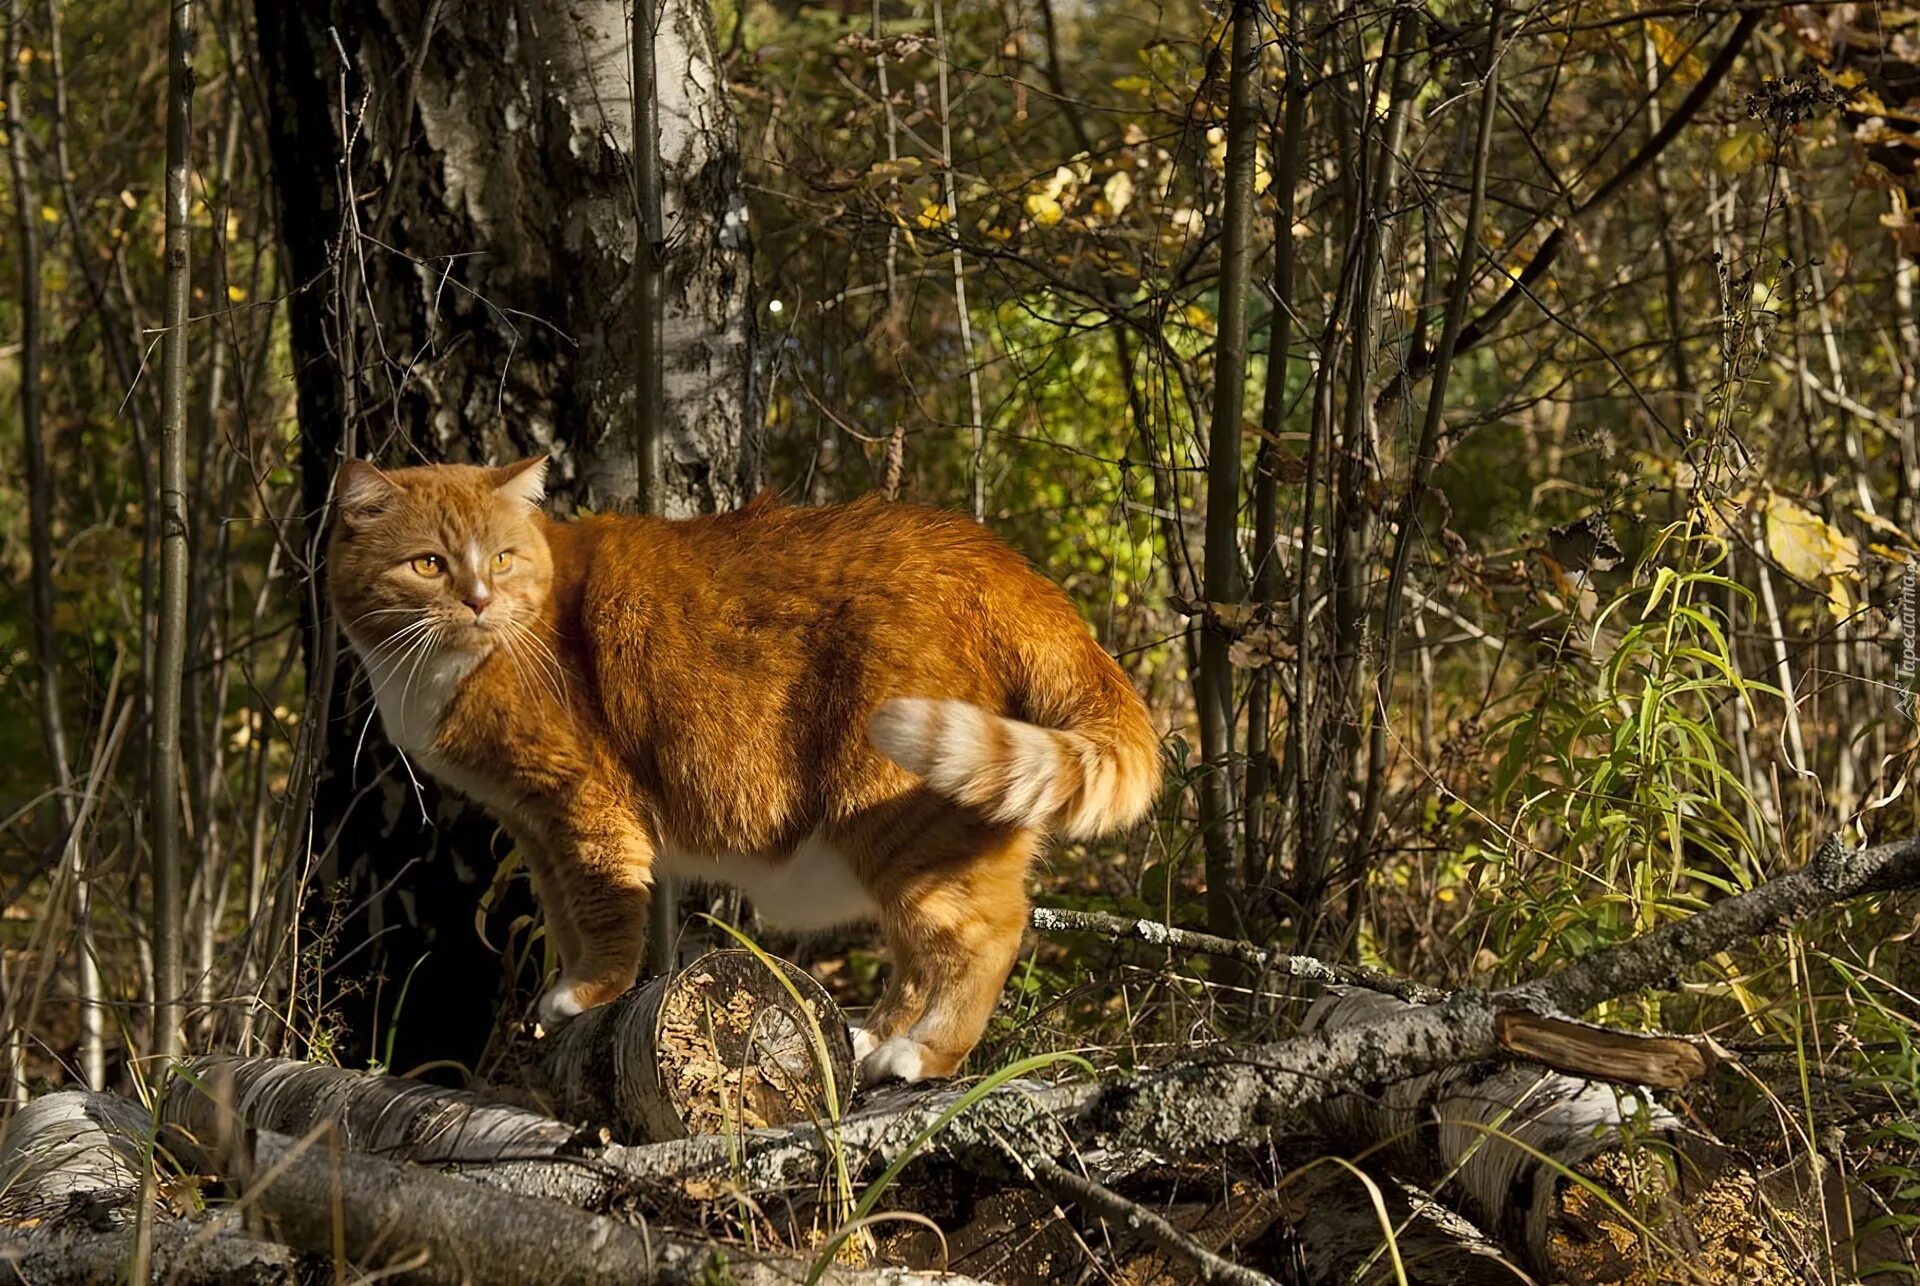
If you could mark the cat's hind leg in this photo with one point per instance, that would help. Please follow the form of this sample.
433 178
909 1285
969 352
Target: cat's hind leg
953 906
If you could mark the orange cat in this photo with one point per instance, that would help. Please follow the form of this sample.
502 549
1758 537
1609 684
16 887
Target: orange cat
872 711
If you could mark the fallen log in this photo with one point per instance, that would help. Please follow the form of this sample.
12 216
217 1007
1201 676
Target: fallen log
423 1226
71 1171
1237 1096
215 1098
1233 1096
68 1145
1224 1097
1573 1174
722 1043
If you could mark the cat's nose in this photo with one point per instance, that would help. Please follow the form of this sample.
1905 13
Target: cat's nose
477 598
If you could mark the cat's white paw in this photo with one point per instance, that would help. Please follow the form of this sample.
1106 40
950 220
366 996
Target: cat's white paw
864 1042
895 1059
560 1001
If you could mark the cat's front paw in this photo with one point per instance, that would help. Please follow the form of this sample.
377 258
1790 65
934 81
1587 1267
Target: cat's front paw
561 1001
899 1058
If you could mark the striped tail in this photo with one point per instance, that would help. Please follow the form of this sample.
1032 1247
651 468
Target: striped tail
1098 774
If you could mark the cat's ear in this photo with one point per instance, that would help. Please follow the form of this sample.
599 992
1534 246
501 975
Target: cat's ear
362 491
525 481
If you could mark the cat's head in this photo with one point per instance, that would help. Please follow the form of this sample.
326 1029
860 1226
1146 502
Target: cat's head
447 556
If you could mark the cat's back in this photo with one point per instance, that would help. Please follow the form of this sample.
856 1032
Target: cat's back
869 539
831 555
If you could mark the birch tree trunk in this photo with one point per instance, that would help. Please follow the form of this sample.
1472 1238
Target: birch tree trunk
457 203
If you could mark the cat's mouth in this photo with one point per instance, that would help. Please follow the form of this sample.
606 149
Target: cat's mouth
474 636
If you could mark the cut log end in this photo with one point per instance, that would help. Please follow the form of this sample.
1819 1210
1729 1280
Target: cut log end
1716 1225
718 1047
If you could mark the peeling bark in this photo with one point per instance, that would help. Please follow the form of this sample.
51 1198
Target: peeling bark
217 1098
496 235
69 1144
434 1228
71 1166
318 1193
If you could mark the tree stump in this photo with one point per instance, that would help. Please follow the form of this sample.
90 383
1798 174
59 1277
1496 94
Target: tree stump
718 1047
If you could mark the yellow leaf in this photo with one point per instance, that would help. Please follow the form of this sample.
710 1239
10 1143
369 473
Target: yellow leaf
1882 526
1839 598
1739 152
1044 209
1673 52
1806 546
238 294
1118 191
49 215
893 169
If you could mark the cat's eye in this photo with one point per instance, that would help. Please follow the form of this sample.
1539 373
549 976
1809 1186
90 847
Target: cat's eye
429 565
503 561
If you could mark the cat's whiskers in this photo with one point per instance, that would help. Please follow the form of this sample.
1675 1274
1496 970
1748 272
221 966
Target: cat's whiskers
553 675
370 613
420 657
417 635
378 653
513 659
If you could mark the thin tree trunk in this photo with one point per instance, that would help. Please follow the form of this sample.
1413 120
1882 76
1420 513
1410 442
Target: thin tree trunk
170 644
1466 267
46 643
649 403
1221 574
1256 867
1349 516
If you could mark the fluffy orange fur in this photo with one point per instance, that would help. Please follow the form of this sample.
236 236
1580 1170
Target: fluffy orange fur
871 711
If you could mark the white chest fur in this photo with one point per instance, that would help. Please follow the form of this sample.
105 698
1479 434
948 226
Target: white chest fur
815 888
413 693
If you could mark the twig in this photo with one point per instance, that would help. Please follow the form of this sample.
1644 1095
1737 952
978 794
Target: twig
1056 920
1064 1185
976 475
